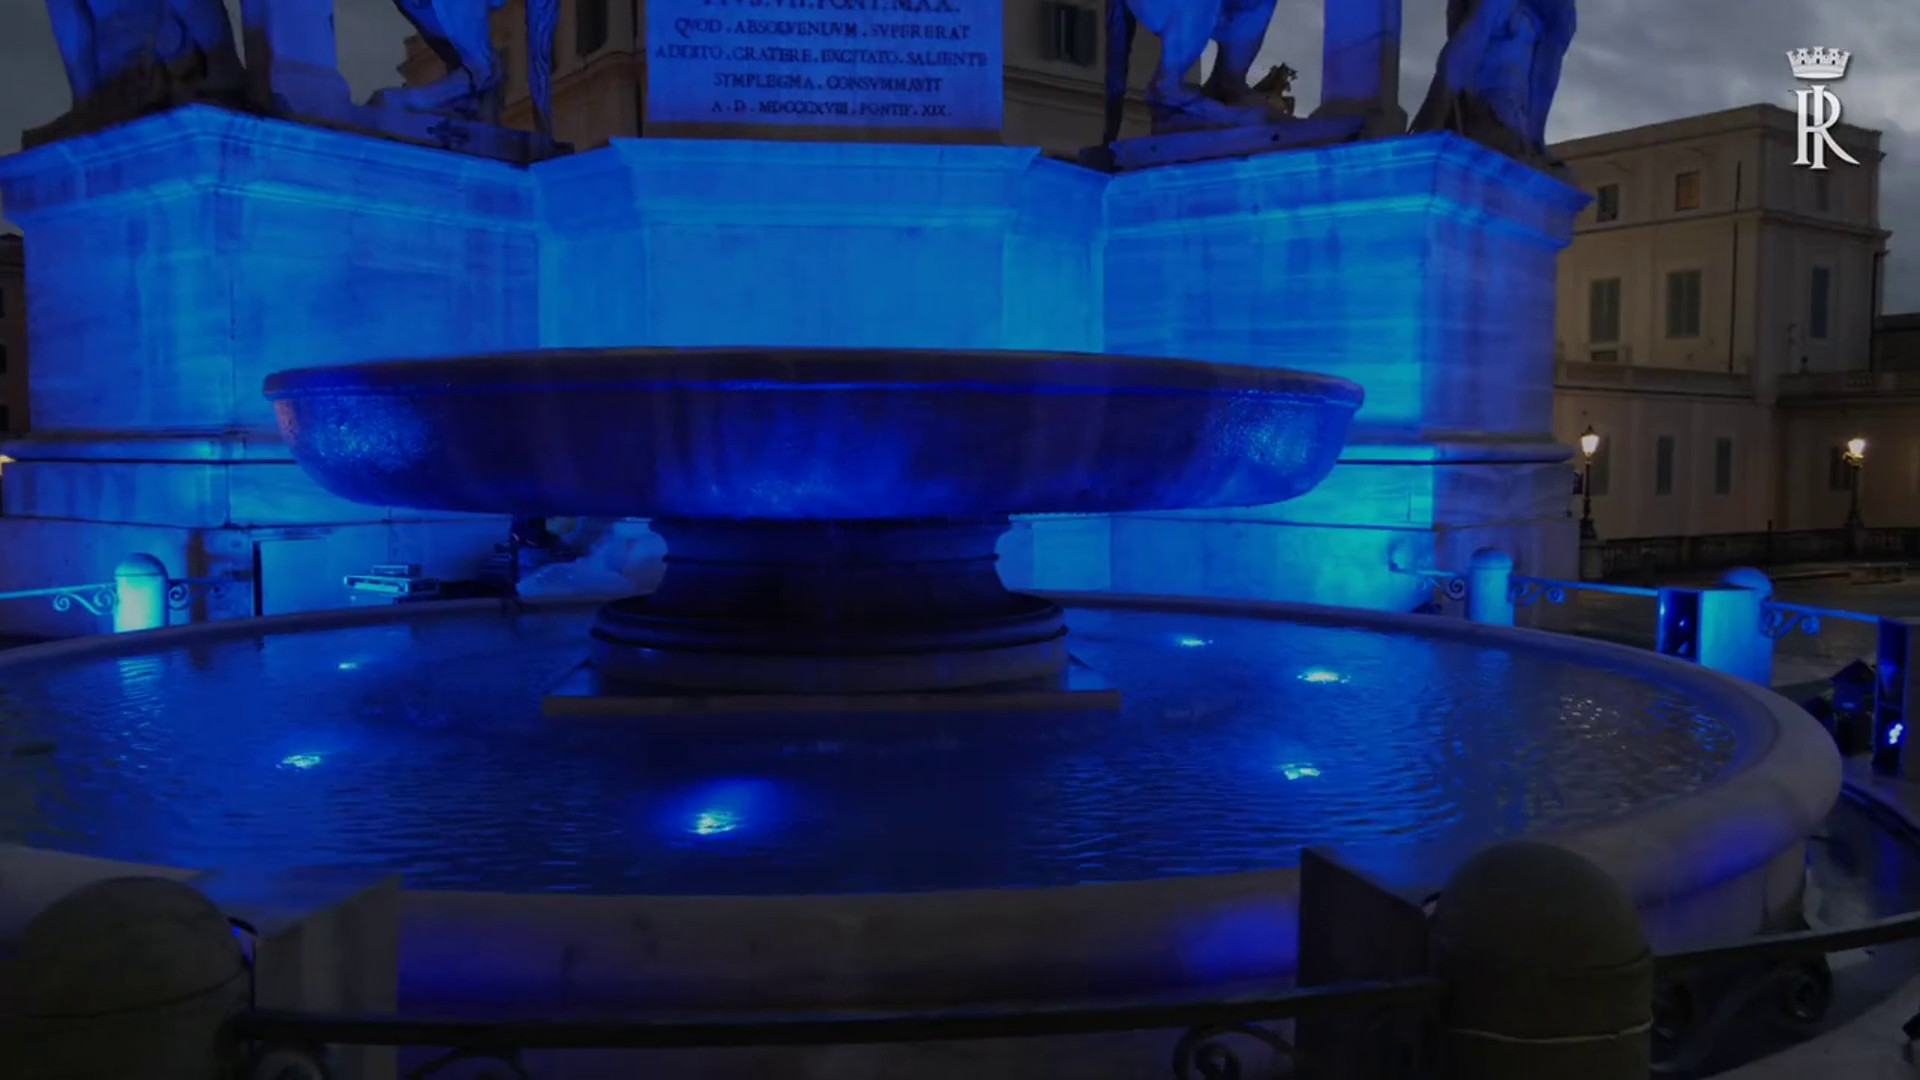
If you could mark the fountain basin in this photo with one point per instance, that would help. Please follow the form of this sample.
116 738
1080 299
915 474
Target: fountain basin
1707 855
811 434
830 515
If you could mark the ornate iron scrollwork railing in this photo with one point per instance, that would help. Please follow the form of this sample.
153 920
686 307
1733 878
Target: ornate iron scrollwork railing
1777 619
182 592
1445 582
96 599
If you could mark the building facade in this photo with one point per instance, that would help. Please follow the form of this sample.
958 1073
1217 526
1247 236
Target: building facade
1716 316
13 335
1054 57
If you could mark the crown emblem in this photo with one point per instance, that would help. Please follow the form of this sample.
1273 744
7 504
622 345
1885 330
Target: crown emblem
1818 63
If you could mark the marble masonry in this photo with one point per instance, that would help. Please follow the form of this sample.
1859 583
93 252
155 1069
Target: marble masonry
181 256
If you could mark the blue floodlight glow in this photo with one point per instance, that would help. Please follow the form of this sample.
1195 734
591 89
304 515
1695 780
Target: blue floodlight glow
349 665
1321 676
1894 733
300 761
1191 642
1298 771
726 806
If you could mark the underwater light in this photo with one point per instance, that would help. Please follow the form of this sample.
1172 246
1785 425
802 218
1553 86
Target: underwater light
349 665
1322 675
300 761
1298 771
714 822
1894 733
1192 642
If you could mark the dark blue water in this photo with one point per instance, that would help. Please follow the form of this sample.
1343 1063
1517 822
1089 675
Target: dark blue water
420 748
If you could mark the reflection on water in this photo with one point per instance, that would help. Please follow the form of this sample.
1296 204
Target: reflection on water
420 748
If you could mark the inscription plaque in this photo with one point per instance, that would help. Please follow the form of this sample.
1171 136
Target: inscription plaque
894 65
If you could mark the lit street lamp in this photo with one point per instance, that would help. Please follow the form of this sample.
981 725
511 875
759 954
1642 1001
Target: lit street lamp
1589 446
1856 456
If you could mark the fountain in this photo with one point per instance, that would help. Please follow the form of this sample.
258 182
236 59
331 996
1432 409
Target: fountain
830 517
968 792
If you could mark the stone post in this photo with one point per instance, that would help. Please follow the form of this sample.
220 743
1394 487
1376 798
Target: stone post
1360 65
139 594
293 67
129 977
1489 587
1547 970
1897 674
1740 641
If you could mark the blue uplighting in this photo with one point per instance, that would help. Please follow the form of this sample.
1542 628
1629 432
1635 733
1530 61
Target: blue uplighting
300 761
1894 734
726 806
1321 676
1298 771
1191 642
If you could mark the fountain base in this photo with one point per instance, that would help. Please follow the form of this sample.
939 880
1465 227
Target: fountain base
583 694
829 608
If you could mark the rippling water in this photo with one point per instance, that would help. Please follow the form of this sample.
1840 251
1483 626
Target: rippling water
419 747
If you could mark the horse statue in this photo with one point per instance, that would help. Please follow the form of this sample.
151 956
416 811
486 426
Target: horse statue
460 33
1184 27
127 58
1497 76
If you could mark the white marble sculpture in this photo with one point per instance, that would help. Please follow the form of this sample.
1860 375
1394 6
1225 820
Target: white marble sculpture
127 58
1497 76
1185 27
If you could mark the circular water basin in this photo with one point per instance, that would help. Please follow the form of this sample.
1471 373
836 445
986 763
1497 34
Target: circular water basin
418 747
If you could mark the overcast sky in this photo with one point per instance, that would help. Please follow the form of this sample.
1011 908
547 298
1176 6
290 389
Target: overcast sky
1634 62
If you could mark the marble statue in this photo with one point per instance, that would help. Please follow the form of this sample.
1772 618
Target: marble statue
1184 28
1497 75
460 33
127 58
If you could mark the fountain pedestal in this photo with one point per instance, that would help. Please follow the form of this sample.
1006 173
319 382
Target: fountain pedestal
854 607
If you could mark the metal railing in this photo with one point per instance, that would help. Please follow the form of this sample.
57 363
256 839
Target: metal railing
1700 995
106 598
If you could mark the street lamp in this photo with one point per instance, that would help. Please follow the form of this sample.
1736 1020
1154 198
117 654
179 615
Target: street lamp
1589 446
1855 456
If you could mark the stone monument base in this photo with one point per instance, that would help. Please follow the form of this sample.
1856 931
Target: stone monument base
179 259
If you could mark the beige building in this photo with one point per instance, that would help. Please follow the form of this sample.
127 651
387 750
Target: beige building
1054 57
13 335
1715 327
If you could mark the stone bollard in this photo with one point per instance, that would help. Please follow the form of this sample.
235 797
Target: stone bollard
1489 587
139 594
1734 638
129 977
1546 967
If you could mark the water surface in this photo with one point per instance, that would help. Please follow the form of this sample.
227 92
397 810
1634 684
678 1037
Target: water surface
419 747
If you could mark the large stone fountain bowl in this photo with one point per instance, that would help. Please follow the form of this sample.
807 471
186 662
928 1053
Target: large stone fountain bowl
811 434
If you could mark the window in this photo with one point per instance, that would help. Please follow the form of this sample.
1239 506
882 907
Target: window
1072 33
589 27
1683 304
1723 466
1686 191
1606 202
1839 472
1821 287
1600 472
1663 465
1603 311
